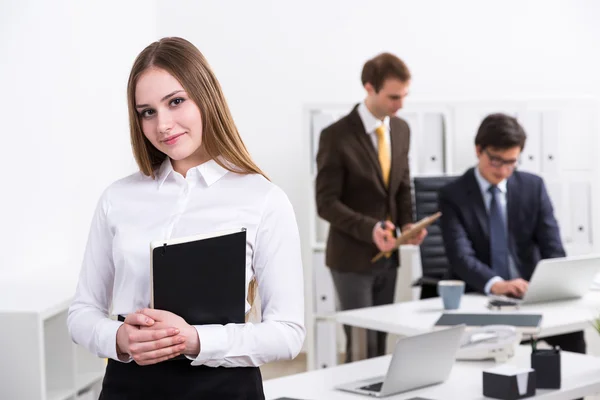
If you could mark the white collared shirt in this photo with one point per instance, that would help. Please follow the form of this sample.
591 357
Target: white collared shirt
371 123
484 186
136 210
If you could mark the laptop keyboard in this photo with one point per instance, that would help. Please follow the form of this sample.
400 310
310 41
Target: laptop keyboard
375 387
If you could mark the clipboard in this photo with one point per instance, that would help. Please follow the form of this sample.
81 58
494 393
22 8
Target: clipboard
411 233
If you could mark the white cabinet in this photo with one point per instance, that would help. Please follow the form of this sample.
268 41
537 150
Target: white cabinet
326 345
432 157
531 157
557 197
579 196
428 130
39 360
551 127
412 120
320 119
323 285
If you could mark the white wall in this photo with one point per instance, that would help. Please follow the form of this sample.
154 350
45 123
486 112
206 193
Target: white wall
273 58
63 76
65 65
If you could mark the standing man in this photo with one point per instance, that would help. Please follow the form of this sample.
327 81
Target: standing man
497 223
363 190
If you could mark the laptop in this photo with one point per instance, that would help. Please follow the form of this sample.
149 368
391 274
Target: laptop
560 279
417 361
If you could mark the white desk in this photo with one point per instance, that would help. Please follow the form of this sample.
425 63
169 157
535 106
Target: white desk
580 377
414 317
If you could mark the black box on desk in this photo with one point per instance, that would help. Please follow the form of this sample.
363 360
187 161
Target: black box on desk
507 382
546 363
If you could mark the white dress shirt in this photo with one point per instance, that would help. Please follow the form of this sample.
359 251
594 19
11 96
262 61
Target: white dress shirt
484 186
371 123
136 210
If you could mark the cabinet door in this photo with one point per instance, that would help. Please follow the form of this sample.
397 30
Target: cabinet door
323 284
414 154
325 344
431 145
531 160
557 194
320 119
550 142
466 124
579 193
321 230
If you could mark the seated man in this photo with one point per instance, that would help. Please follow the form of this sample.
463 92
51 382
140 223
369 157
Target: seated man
497 223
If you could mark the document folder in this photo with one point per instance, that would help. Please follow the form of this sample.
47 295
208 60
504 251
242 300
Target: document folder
200 278
411 233
525 323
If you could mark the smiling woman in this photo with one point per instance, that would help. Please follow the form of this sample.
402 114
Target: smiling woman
179 68
195 177
171 123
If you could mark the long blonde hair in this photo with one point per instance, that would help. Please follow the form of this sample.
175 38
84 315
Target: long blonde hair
220 137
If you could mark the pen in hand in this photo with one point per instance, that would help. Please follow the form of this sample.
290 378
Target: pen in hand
382 225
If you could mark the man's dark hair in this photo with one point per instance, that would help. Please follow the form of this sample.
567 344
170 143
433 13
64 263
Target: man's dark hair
382 67
500 131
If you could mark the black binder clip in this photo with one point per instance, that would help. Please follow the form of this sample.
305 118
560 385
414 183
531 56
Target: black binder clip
164 249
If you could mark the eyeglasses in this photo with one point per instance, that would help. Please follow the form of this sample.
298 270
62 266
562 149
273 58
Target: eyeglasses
499 162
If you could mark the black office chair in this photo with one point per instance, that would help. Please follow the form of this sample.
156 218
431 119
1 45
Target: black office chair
434 263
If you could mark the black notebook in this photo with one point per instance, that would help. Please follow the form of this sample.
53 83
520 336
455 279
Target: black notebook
201 278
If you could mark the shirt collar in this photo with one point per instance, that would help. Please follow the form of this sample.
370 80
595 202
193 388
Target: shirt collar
484 185
370 121
210 171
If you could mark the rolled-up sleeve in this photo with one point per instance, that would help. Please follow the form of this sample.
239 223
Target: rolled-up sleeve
277 266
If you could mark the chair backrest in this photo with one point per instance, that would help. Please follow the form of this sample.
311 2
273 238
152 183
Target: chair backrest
434 263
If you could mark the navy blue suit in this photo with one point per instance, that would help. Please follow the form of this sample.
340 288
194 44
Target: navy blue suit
533 234
533 230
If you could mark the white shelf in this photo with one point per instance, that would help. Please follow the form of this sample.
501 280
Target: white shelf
87 379
51 366
60 394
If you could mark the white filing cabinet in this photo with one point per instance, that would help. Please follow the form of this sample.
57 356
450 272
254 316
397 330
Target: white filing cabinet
39 360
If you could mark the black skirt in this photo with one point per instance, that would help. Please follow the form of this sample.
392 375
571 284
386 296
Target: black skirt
178 380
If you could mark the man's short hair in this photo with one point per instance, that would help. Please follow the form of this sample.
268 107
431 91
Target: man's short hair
382 67
500 131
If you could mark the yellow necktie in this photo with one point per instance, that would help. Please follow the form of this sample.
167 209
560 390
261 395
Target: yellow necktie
383 151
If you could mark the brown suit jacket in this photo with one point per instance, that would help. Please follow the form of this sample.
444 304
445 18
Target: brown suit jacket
351 194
